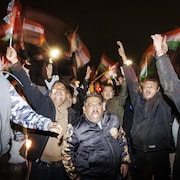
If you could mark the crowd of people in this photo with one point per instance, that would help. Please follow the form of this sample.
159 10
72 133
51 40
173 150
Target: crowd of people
123 132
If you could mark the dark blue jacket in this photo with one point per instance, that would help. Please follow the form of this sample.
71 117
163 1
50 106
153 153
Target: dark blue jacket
94 152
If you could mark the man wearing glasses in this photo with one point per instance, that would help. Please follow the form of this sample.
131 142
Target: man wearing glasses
95 146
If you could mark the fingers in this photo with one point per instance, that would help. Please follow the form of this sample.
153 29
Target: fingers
119 43
54 127
11 55
157 36
124 169
121 48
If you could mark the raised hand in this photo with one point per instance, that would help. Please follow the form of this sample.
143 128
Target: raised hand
88 73
11 55
122 52
49 70
164 44
160 44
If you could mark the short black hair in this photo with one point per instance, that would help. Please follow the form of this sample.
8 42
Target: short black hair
93 95
153 79
108 85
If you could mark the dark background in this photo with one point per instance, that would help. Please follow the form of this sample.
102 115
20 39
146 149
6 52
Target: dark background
102 23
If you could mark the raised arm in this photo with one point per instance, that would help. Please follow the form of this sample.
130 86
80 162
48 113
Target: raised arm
122 52
167 75
130 75
23 114
33 94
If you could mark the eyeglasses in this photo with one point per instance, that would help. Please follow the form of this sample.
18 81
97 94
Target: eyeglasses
91 105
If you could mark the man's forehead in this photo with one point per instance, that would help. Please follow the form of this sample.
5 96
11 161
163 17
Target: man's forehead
59 84
93 99
108 87
149 82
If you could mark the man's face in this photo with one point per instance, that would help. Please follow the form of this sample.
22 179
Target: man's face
149 89
107 93
58 94
93 109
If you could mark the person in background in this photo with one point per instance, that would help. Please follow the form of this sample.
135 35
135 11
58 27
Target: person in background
82 89
115 103
95 146
37 70
171 87
73 85
151 127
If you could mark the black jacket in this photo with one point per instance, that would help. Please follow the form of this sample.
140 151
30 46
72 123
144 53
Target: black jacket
94 152
151 127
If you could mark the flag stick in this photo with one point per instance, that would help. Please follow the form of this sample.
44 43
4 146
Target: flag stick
99 76
10 42
146 70
98 68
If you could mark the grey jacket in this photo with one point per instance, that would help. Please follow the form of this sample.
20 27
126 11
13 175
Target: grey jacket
5 106
169 79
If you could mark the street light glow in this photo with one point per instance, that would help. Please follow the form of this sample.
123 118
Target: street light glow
54 54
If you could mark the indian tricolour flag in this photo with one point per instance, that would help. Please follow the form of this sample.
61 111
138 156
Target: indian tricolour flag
82 54
173 39
105 63
103 67
9 19
148 67
33 32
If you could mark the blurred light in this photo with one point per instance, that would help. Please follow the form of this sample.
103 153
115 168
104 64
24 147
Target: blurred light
129 62
91 87
99 90
28 143
51 60
77 83
54 53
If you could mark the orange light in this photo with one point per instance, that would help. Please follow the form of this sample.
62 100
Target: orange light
28 143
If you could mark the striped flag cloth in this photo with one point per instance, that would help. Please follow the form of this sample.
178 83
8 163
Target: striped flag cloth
148 67
9 19
107 69
33 32
82 54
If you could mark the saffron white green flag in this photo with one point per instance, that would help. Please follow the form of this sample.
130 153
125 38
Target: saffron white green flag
33 32
82 54
148 67
173 39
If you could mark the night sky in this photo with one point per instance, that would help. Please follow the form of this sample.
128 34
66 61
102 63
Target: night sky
102 23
